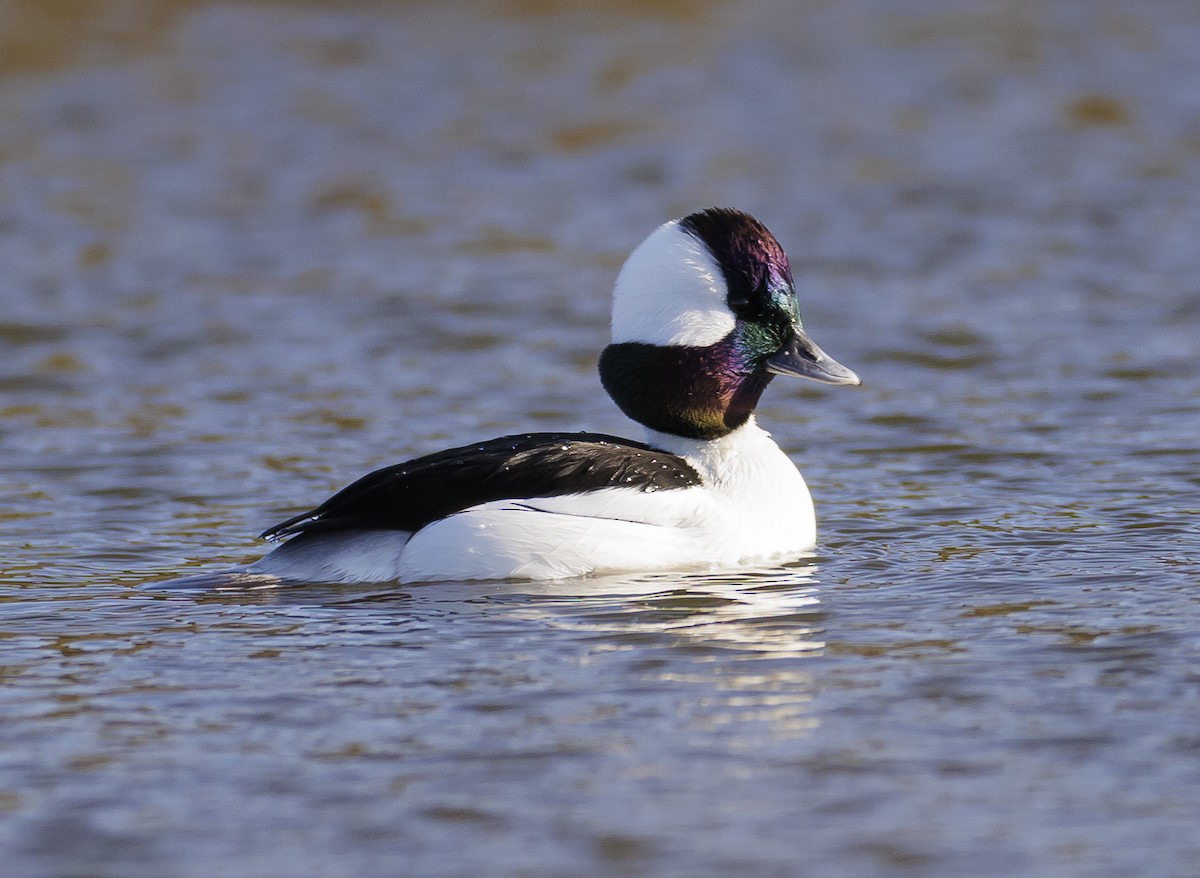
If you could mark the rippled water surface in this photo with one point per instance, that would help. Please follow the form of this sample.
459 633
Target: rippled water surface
251 251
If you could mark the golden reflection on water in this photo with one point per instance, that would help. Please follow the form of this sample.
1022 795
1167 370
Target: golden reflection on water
44 35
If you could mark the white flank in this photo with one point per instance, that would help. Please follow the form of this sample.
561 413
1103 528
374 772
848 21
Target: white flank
558 537
670 292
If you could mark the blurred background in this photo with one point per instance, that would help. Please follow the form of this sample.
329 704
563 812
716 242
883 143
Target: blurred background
249 251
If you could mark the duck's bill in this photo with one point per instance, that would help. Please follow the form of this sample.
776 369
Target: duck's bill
803 359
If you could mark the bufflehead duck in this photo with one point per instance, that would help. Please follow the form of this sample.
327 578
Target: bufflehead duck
704 316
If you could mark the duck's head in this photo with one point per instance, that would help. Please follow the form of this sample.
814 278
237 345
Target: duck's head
704 315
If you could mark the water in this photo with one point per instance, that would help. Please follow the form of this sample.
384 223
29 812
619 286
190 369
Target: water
252 251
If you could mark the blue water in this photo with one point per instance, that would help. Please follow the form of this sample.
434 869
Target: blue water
253 251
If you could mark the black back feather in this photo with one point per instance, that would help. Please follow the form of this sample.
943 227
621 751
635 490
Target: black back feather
410 495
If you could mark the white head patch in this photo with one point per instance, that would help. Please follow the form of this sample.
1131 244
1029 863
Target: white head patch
670 292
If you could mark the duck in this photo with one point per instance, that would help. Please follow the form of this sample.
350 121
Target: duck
704 317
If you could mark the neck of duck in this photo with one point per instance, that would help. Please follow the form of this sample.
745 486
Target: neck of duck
700 393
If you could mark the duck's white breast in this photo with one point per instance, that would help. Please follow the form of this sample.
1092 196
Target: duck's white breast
762 505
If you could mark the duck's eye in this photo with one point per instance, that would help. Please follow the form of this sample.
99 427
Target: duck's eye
739 304
749 300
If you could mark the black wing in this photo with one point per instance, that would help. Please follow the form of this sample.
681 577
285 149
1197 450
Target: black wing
410 495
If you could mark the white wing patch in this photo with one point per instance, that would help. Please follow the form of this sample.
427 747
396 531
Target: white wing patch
670 292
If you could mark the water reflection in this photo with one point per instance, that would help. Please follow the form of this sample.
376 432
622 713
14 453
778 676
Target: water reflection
766 610
723 654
